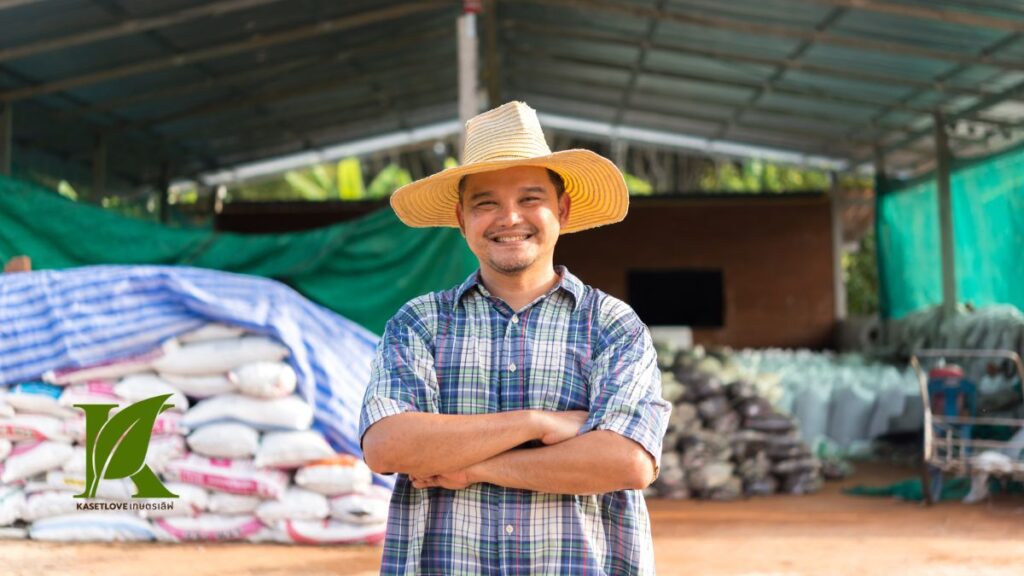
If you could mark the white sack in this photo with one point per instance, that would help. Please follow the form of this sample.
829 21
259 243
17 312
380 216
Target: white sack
289 413
292 449
264 379
225 440
234 476
31 458
138 387
200 386
217 356
338 475
295 504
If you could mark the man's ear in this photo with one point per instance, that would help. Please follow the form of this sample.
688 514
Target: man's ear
564 204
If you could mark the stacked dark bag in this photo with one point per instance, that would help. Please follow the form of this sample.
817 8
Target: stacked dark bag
725 442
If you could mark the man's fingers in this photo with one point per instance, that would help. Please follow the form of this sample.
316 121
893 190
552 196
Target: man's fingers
426 482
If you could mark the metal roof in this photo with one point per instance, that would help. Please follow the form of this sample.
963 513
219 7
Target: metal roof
187 87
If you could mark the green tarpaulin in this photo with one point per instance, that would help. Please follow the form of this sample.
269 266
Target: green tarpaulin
988 233
364 269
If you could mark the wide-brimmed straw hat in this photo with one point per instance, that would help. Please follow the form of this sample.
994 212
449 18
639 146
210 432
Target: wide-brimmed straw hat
507 136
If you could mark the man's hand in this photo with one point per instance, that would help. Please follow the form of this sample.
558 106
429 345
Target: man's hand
457 480
558 426
562 426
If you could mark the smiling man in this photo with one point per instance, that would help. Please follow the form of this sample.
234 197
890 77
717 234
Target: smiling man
521 409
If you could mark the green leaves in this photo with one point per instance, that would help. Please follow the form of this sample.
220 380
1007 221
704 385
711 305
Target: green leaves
119 448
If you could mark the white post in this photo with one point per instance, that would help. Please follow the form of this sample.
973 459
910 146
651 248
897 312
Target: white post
838 282
942 157
467 50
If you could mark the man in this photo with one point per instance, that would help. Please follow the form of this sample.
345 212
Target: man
522 409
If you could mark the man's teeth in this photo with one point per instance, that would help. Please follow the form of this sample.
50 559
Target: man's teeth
510 238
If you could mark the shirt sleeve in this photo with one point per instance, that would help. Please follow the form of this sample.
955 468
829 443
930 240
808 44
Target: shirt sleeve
402 378
625 381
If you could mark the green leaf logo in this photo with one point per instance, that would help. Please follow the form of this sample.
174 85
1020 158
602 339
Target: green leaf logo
115 447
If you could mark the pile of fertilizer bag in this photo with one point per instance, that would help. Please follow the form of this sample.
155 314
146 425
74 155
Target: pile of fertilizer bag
725 440
259 443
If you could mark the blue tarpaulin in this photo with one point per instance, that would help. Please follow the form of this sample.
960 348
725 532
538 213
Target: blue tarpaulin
84 316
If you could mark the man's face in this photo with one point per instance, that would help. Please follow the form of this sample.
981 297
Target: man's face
511 218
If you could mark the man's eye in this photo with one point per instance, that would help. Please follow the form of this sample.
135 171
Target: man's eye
486 204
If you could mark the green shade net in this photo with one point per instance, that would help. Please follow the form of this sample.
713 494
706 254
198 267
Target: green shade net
988 235
364 269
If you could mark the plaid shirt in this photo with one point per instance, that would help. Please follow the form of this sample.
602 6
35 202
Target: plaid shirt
463 351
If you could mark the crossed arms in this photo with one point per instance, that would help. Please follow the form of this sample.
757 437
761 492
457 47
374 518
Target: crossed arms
455 451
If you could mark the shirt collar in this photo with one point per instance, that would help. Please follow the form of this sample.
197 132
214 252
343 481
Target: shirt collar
569 282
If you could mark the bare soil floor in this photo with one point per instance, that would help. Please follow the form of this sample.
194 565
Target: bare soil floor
823 534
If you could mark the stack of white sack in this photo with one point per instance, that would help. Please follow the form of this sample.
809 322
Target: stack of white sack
236 445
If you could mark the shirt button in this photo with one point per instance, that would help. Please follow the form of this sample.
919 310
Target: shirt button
512 367
509 529
515 319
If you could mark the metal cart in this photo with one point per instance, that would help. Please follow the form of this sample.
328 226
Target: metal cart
948 443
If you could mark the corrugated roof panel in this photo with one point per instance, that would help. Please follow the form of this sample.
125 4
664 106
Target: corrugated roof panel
682 126
51 19
876 61
778 12
917 31
800 80
706 67
696 90
718 39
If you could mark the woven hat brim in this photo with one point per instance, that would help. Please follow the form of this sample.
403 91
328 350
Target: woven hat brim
596 189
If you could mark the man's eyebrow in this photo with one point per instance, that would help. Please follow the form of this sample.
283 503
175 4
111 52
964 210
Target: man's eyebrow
479 194
533 189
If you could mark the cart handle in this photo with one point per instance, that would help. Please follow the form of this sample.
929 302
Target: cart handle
922 380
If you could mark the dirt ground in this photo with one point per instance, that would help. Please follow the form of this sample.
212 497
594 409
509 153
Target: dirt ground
823 534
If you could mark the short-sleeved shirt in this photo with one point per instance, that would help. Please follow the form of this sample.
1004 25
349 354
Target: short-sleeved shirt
464 351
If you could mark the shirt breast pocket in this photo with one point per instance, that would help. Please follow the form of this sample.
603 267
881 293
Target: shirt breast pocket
558 379
464 376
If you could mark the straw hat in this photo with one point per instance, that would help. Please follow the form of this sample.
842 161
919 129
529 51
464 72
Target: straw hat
507 136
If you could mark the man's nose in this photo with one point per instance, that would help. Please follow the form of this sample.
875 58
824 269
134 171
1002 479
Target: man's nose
510 214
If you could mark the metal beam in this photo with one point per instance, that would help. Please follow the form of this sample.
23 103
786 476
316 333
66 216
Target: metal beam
715 54
186 58
413 69
532 73
312 119
5 4
790 32
492 63
929 13
129 27
810 93
769 85
237 80
803 135
942 176
966 114
638 64
322 129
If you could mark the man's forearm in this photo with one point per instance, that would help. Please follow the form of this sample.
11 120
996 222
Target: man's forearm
593 463
424 444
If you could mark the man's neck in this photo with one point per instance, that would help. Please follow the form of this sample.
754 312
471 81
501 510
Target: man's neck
521 289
